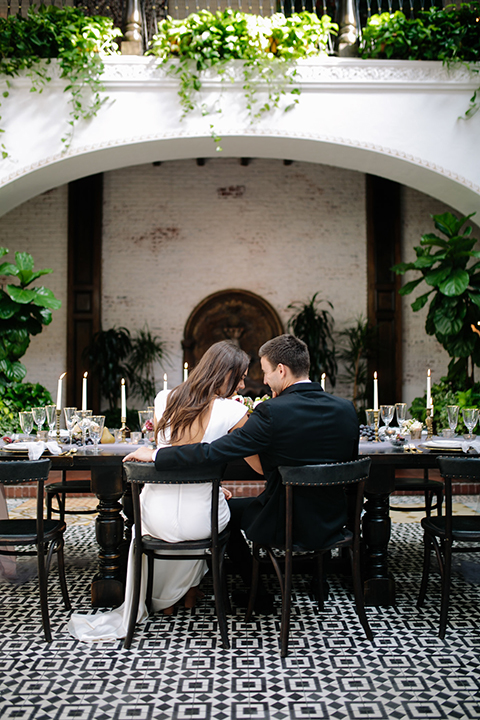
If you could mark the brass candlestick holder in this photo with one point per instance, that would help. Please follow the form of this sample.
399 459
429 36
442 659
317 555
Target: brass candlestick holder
58 413
429 423
124 429
375 419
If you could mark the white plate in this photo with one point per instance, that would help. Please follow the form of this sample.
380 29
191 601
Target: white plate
446 444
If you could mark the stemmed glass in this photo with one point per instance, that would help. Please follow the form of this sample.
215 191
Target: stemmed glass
51 412
97 423
386 411
401 409
70 420
26 421
470 418
145 418
84 419
452 412
39 416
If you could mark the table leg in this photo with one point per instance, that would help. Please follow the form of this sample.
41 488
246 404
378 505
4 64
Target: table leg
108 585
379 586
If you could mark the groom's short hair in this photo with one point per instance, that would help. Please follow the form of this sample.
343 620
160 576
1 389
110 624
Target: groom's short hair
287 350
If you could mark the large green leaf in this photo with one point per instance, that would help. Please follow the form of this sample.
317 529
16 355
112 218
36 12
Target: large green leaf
449 224
410 286
3 251
474 297
24 261
435 277
8 268
445 324
456 283
420 302
13 371
20 295
45 298
401 268
8 307
425 261
434 240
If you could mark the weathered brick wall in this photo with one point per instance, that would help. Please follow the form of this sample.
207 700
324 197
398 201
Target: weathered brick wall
177 232
40 228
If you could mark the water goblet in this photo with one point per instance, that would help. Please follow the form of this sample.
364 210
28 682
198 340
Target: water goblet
145 418
370 418
470 418
70 420
97 423
452 412
39 416
84 419
51 413
401 409
386 411
26 421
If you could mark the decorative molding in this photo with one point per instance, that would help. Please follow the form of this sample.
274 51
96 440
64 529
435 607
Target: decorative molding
347 73
245 132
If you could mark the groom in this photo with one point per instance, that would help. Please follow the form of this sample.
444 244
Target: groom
300 425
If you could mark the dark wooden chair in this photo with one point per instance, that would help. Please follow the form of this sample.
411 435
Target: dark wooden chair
440 533
346 474
37 531
432 489
211 548
58 491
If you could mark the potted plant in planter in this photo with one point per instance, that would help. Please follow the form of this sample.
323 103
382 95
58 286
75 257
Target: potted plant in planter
315 328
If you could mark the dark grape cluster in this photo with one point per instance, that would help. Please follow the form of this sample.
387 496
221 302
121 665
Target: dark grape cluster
78 441
367 433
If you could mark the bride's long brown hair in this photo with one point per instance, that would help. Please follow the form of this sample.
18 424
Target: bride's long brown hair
223 361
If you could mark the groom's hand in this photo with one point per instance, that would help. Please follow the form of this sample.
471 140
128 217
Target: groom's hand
142 454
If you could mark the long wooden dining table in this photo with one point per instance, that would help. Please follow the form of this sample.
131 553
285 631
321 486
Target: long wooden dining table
113 532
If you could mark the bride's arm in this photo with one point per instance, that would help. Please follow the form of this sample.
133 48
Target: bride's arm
253 460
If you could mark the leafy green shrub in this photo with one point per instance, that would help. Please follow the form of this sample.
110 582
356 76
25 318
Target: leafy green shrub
443 394
269 47
450 34
23 312
451 270
15 397
79 42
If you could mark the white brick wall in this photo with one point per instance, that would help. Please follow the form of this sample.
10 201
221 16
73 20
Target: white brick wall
173 234
177 232
40 228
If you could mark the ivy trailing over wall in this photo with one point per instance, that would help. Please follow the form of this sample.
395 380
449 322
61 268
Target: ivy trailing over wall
78 42
268 47
450 34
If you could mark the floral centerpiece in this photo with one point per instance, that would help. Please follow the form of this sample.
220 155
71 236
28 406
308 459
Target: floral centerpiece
249 403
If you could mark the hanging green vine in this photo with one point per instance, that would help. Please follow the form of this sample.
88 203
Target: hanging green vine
78 42
269 48
450 34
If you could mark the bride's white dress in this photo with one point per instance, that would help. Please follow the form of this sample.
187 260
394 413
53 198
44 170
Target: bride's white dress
174 513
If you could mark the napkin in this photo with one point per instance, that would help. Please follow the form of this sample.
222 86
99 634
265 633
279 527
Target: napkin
36 449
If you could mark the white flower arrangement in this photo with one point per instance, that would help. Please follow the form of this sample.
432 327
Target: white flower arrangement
249 403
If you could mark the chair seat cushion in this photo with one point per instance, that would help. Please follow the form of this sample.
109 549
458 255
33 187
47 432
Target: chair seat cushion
72 486
25 531
464 527
153 543
417 484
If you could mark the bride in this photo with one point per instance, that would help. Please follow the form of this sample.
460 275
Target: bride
198 410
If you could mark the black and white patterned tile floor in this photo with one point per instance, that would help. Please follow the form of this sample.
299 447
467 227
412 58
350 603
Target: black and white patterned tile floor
177 670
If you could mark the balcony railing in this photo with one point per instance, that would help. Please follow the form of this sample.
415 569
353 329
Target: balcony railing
153 11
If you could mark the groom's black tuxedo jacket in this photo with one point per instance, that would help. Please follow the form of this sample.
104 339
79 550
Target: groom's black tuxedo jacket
303 425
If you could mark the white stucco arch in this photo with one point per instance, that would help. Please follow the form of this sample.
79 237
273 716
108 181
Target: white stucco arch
399 120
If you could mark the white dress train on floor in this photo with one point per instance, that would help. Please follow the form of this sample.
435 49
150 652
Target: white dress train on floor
174 513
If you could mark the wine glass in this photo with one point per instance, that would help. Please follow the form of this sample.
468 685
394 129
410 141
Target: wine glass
84 419
370 417
470 418
401 409
26 421
51 412
452 412
386 411
97 423
70 420
39 416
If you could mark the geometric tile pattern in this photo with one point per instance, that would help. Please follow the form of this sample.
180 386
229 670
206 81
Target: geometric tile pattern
176 669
